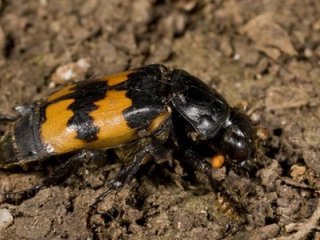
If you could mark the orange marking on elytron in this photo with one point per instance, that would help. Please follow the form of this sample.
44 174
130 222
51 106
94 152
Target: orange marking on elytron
117 78
60 93
54 131
113 128
112 80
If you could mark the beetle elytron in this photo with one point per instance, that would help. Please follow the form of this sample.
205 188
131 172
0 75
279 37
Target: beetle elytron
136 113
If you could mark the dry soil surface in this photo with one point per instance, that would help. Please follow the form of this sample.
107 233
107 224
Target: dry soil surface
264 54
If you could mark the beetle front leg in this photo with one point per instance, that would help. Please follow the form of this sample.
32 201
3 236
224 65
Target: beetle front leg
58 176
194 161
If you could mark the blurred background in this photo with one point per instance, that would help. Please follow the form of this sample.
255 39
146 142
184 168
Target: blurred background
263 54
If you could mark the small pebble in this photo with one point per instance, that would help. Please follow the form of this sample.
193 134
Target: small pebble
298 172
263 133
308 53
6 218
71 72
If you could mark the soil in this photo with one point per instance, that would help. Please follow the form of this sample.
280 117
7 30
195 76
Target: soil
263 54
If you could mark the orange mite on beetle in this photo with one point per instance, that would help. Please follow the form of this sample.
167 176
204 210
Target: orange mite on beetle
151 111
217 161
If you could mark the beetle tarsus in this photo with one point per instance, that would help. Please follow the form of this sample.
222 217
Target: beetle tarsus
7 118
17 198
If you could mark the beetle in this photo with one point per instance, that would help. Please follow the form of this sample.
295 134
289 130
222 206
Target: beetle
148 112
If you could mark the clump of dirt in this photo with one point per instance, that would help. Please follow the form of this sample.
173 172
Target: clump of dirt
262 53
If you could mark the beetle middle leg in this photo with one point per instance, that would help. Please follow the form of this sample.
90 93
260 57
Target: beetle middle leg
58 176
125 175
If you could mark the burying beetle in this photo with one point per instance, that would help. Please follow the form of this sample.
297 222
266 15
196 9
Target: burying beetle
136 113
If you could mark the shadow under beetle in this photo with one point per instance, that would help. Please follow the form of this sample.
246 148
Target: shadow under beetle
135 113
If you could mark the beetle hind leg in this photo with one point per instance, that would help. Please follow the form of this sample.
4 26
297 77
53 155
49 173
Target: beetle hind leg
125 175
7 118
21 110
59 175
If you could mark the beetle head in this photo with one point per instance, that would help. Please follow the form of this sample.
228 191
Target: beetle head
236 141
211 122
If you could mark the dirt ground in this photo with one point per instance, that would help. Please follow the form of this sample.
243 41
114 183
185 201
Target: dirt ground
262 53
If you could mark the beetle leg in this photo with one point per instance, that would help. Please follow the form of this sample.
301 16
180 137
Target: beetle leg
125 175
58 176
194 161
7 118
21 110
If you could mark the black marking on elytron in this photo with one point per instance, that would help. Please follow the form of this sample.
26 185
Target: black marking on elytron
84 96
147 87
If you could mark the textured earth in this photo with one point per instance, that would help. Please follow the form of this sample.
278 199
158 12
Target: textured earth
262 54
